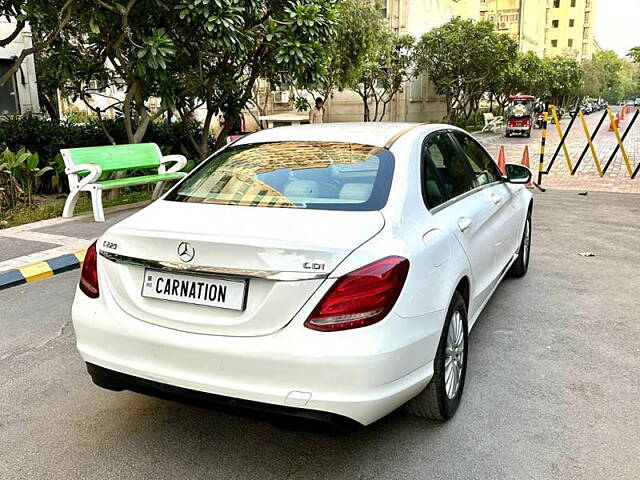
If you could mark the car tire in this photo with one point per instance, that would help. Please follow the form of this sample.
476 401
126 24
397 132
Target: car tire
521 265
435 402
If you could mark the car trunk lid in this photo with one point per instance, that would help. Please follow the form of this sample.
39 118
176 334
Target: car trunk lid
283 255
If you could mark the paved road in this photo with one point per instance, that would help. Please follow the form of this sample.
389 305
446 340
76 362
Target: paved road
552 390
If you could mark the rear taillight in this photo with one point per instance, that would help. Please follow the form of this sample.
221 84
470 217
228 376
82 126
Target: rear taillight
89 275
362 297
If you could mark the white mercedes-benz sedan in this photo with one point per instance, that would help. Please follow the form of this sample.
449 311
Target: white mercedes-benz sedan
330 272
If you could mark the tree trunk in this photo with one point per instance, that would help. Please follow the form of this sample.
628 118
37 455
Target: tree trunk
221 140
49 106
203 148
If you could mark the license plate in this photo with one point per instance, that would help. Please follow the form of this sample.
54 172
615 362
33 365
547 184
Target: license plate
195 289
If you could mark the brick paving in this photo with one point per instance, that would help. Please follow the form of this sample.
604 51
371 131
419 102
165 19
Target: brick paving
586 178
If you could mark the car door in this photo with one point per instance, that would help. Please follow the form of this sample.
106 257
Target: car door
460 209
506 218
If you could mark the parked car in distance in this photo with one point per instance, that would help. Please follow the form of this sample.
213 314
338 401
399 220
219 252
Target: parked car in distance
637 102
330 272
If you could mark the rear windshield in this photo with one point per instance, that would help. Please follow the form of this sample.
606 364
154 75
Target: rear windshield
313 175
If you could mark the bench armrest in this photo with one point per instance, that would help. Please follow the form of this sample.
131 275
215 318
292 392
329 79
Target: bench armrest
72 172
180 162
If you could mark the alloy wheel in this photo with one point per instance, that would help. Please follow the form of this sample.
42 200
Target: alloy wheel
454 355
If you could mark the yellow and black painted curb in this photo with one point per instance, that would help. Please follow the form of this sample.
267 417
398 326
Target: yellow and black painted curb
40 270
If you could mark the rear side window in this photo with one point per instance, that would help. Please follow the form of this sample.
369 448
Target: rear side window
484 170
310 175
446 173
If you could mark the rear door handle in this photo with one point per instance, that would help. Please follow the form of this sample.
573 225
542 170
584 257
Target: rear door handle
464 223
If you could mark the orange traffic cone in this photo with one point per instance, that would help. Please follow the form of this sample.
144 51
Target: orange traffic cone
621 113
526 162
502 161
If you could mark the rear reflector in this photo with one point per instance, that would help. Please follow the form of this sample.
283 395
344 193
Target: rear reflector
362 297
89 275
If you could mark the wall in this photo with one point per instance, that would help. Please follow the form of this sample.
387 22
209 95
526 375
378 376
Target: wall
25 79
522 20
560 33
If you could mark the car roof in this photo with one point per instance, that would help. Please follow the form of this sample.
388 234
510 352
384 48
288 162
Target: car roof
378 134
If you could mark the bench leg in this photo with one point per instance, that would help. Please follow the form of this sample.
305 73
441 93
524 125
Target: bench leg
70 204
157 191
96 202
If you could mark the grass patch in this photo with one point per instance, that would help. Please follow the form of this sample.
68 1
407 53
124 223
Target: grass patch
51 207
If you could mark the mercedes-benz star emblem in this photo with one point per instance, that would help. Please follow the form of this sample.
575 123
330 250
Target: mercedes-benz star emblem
186 252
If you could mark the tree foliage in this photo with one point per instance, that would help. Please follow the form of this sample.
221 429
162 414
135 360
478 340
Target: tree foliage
524 75
562 78
47 20
603 76
189 54
385 69
465 59
109 43
239 41
358 34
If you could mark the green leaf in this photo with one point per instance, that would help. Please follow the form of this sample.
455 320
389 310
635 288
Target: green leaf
93 27
23 157
43 171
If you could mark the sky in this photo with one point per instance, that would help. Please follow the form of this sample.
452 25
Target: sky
617 25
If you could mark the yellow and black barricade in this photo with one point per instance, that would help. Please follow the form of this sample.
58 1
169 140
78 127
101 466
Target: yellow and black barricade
602 170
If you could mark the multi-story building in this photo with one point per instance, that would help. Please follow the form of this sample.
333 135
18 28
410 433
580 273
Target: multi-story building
546 27
522 20
20 94
570 26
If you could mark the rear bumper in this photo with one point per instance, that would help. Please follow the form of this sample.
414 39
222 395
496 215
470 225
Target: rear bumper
112 380
361 374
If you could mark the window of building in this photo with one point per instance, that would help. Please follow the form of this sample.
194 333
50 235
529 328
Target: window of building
508 17
573 3
572 23
381 6
555 23
556 3
554 43
570 43
9 104
416 89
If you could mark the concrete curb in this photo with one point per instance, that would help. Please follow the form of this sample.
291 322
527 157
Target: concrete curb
59 220
38 271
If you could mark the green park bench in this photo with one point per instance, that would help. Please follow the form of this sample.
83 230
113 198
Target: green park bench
85 166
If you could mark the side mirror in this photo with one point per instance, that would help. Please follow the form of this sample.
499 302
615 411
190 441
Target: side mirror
518 174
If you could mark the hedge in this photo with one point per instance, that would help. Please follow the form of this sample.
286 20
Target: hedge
47 137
